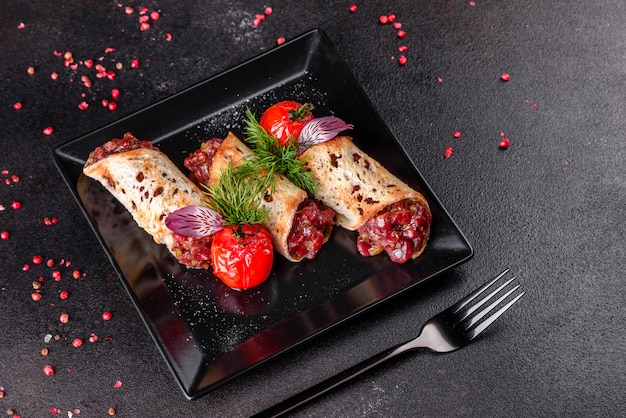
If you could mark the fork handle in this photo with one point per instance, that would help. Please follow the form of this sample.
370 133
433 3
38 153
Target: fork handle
332 382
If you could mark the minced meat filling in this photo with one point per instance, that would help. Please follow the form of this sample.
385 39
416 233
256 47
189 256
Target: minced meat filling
399 230
311 225
117 145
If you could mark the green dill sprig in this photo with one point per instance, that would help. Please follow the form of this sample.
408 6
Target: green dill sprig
237 197
270 157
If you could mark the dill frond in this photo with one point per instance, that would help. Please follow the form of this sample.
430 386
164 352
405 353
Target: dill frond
270 157
237 197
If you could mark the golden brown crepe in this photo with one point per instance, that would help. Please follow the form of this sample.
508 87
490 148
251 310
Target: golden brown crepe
281 202
150 187
355 185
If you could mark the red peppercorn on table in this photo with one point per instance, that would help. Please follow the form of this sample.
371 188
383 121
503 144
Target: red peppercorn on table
512 113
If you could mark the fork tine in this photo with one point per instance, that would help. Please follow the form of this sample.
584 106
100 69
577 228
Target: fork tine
484 300
469 298
483 325
474 320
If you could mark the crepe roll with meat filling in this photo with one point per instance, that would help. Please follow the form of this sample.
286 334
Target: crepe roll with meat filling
299 225
387 213
150 186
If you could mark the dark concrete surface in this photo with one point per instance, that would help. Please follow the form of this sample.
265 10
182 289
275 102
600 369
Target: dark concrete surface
550 207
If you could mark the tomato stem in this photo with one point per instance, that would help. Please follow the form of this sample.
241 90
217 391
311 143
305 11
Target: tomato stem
299 113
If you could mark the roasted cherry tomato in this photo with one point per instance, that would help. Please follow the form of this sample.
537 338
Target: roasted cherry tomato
242 255
286 119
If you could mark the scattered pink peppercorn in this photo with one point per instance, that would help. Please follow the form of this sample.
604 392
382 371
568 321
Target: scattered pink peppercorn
15 205
55 411
155 15
54 75
168 36
134 63
115 93
50 263
77 342
48 131
401 34
391 17
144 26
64 318
56 275
397 25
129 10
505 143
48 370
280 41
30 70
36 296
63 294
76 274
268 11
48 221
118 384
353 8
456 134
107 316
37 259
402 60
93 338
4 235
112 106
83 105
505 77
448 152
17 105
383 19
403 48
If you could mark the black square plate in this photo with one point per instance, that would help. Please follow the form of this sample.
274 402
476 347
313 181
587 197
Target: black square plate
207 332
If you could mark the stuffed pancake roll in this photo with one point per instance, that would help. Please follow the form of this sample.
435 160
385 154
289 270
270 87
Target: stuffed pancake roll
299 225
387 213
150 186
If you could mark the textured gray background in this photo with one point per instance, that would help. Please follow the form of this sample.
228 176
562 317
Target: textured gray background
551 207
